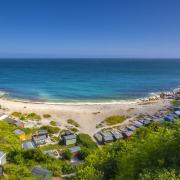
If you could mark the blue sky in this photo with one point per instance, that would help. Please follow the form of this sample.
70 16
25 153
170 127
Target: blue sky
90 28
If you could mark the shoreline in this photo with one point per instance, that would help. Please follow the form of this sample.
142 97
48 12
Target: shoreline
88 116
74 103
5 96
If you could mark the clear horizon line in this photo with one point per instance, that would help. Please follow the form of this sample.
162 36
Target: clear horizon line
89 57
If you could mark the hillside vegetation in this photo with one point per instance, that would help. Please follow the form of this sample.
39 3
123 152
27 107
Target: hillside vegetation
152 153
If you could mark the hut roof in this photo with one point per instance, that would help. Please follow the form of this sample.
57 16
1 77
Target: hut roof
38 171
137 124
18 132
98 137
131 128
177 113
75 149
28 145
107 136
2 154
117 134
69 137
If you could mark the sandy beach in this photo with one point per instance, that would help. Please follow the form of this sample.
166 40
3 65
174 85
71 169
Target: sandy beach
86 115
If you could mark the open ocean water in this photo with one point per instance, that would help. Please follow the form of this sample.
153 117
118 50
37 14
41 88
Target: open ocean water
87 80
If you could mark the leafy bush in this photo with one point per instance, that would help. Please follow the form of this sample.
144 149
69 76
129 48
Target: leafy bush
115 120
8 140
16 114
86 141
46 115
53 123
50 129
72 122
25 160
33 116
30 116
75 130
67 154
159 174
17 172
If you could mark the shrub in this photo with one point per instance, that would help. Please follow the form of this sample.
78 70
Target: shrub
8 140
67 154
25 160
46 115
75 130
51 130
114 120
33 116
86 141
16 114
85 152
72 122
30 116
53 123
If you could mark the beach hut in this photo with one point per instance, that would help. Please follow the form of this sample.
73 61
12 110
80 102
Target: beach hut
137 124
146 122
156 120
98 138
21 134
161 120
177 113
39 140
75 151
52 153
2 158
1 171
107 137
177 108
69 139
3 116
43 173
17 123
169 118
131 128
28 145
117 135
141 121
30 124
127 134
43 132
10 121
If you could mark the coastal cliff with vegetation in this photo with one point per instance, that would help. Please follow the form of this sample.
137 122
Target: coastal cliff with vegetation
152 153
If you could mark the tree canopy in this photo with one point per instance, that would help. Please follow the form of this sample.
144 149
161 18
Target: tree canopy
152 153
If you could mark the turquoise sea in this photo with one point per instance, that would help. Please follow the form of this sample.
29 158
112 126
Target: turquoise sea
87 80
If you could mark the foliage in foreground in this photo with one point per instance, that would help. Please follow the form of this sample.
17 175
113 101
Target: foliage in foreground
8 140
21 162
153 153
85 140
87 144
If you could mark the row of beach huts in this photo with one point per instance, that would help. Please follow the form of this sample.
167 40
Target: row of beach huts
124 132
